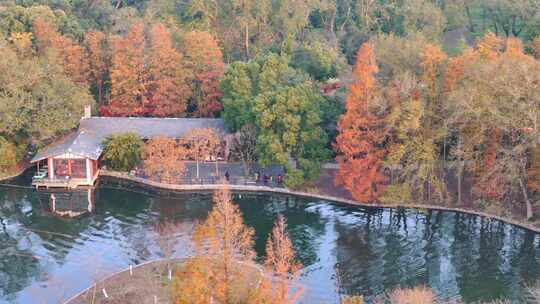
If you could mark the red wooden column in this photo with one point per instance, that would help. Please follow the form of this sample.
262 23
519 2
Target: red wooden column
51 167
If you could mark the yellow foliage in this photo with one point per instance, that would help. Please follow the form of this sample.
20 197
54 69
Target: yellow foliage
397 194
22 41
352 300
417 295
534 171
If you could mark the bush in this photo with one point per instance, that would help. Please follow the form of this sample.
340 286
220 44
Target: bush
122 152
294 178
8 155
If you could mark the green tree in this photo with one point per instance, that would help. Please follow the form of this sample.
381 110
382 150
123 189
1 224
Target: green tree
38 101
319 59
289 122
237 87
122 152
285 108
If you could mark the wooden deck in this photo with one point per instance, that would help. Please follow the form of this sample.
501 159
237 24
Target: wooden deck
66 183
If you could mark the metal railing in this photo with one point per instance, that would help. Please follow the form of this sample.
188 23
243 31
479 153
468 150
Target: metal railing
234 180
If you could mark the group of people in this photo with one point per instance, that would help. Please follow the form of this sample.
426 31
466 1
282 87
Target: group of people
268 178
265 178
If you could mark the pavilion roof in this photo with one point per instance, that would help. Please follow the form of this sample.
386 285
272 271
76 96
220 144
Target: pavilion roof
87 140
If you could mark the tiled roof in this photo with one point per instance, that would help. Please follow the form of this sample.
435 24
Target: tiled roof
92 131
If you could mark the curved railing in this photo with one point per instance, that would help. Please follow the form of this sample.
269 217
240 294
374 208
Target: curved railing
283 190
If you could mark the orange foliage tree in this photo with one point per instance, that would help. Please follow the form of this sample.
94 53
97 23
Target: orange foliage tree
98 57
223 240
417 295
128 75
281 264
72 56
147 75
361 134
496 148
164 157
167 88
205 62
202 144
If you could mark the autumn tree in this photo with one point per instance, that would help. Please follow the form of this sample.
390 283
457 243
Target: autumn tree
71 55
224 241
416 125
192 283
8 155
352 300
147 74
417 295
164 158
128 75
282 265
534 171
99 61
167 90
38 101
202 144
361 134
535 45
204 61
507 104
22 42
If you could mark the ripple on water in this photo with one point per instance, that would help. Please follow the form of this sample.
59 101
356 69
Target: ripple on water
344 249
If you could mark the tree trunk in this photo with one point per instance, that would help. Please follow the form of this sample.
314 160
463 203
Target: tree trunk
246 41
100 93
460 178
197 168
246 166
469 17
527 201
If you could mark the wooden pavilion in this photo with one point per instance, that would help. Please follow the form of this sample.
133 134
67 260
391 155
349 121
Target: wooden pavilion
75 160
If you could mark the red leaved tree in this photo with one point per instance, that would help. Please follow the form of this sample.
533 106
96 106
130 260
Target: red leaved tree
167 88
205 62
71 55
128 75
361 134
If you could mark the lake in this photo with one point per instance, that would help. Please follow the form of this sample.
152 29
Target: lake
46 258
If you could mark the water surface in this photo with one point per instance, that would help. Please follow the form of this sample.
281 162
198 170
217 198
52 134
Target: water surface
344 249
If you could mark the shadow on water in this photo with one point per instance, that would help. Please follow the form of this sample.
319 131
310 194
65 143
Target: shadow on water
344 249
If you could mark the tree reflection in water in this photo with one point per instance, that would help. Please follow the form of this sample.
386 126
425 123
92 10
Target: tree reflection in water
344 249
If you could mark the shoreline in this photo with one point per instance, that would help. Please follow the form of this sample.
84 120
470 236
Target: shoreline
286 191
15 174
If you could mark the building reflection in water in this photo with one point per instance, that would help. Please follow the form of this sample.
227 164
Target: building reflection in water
73 203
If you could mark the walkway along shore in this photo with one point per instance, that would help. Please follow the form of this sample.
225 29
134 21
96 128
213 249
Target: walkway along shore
281 190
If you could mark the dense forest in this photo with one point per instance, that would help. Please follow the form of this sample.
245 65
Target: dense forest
413 97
